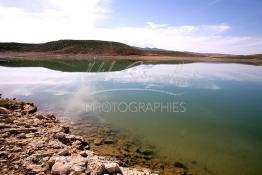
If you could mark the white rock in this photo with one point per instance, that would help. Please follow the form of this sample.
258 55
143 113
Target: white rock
59 168
65 152
112 168
96 168
73 165
4 110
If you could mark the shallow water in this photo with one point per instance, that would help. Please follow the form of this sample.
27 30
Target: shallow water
216 122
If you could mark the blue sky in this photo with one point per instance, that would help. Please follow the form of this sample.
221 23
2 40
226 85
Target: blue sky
244 15
221 26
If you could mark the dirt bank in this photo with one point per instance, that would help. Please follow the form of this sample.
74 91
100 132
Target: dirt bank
48 56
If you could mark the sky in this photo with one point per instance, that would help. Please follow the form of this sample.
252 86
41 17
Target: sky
206 26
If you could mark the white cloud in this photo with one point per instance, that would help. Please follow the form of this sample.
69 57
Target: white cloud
78 20
219 28
60 19
196 75
154 26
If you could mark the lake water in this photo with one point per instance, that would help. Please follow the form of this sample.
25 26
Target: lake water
208 114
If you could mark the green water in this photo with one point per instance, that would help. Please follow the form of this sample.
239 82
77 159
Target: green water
216 125
92 65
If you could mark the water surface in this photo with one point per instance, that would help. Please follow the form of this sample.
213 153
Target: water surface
217 126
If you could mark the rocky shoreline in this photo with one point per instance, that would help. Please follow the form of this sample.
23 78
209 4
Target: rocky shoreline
33 143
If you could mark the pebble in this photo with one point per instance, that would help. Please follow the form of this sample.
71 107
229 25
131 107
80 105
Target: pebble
112 168
4 110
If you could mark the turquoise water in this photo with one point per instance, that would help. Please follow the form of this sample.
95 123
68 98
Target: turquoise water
216 122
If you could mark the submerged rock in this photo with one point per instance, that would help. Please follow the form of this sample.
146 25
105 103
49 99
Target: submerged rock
109 141
146 151
180 171
98 141
180 165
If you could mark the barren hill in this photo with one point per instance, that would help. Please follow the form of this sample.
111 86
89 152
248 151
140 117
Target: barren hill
93 47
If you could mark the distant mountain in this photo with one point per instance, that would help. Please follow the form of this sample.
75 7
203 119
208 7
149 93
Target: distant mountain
151 49
92 47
